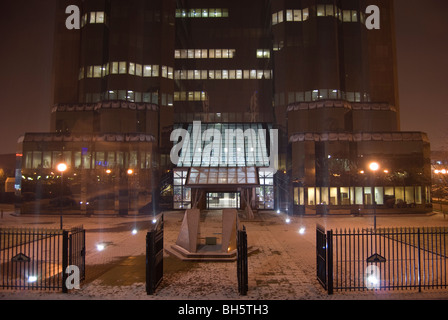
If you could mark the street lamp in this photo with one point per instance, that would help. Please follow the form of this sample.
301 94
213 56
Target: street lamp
374 167
62 167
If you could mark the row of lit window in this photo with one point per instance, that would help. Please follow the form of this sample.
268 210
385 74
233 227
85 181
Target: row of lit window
131 96
323 10
93 17
88 160
204 54
214 53
358 195
124 67
190 96
321 94
202 13
222 74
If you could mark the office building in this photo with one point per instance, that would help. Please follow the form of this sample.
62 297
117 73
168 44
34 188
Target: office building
309 71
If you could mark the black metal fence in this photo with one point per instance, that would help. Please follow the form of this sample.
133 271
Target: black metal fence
242 266
382 259
37 258
154 256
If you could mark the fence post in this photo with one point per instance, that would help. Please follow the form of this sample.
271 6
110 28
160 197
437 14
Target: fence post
150 265
419 263
242 267
65 251
330 261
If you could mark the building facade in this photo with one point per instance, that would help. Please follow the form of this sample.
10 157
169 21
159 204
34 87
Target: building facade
309 71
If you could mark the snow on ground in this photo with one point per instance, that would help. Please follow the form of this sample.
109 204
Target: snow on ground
282 260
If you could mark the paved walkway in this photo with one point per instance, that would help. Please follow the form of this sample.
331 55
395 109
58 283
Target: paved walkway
282 262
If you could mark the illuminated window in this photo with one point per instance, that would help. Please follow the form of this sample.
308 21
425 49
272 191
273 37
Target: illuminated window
90 72
155 70
320 10
114 68
92 17
306 14
147 71
81 73
346 16
138 70
122 67
202 13
131 68
100 17
274 19
263 53
97 71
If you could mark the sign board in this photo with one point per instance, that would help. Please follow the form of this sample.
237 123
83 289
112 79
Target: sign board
20 258
376 258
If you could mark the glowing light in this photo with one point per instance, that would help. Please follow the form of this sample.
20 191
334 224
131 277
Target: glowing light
100 246
130 171
134 232
278 211
108 171
288 221
302 230
374 166
62 167
154 221
373 280
32 279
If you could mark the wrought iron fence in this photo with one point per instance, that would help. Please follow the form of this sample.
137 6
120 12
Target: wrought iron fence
387 258
37 258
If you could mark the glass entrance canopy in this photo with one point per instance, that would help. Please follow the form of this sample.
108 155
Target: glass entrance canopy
203 177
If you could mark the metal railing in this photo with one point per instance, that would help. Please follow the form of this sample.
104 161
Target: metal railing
37 258
383 259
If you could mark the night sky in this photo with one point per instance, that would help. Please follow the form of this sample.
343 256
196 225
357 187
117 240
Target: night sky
26 28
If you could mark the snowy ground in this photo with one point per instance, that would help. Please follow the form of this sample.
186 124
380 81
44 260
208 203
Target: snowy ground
282 262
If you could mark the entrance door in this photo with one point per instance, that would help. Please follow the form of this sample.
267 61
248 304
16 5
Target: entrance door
223 200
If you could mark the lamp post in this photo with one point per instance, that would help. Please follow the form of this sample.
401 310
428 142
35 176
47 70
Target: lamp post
62 167
374 167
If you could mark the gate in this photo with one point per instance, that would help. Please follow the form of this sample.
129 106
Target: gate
154 257
36 259
77 252
324 264
242 267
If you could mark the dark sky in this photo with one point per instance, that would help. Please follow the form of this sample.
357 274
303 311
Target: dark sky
26 28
